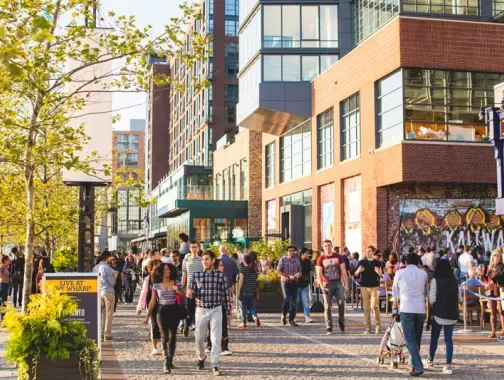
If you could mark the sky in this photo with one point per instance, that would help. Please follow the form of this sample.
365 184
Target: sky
148 12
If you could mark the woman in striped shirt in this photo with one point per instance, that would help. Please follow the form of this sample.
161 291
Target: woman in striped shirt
247 289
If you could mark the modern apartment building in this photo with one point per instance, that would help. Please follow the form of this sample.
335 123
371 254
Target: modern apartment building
128 162
385 147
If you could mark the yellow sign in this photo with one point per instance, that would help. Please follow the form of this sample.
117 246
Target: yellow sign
72 286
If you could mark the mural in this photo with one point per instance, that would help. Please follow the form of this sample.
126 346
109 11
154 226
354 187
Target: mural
328 221
352 208
447 215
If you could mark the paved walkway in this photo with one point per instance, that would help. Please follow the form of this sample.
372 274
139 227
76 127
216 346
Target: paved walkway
276 352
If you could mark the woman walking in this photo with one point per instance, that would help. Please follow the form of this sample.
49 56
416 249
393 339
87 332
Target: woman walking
143 304
495 281
247 290
164 294
444 298
131 274
114 264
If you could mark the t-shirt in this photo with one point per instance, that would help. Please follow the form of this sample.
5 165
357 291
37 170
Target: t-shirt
330 267
369 278
465 261
165 296
249 280
190 266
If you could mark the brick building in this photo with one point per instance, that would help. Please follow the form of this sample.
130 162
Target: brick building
410 163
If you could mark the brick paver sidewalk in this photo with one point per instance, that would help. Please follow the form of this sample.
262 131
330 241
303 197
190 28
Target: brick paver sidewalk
274 351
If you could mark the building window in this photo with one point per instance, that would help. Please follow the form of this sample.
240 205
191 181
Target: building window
210 7
210 26
231 28
372 15
295 68
243 178
390 110
295 153
451 7
350 128
271 225
498 7
231 50
444 105
325 133
230 113
270 165
231 7
310 26
231 92
232 70
302 198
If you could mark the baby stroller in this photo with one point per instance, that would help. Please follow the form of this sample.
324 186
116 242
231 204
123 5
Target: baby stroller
392 343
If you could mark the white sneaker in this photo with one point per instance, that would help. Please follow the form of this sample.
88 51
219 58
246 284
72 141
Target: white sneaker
367 331
155 351
428 365
226 353
447 370
308 320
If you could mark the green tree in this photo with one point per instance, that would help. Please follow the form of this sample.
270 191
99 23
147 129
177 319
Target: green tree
41 93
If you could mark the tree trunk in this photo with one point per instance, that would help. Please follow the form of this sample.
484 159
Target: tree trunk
30 234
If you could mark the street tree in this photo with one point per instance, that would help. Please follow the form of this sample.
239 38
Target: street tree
41 93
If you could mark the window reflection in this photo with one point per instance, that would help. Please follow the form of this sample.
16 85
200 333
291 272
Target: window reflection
295 152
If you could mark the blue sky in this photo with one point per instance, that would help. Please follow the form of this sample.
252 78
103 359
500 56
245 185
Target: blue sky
148 12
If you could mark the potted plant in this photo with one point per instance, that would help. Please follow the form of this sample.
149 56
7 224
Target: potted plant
45 343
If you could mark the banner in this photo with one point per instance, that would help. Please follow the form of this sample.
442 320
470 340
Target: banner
85 290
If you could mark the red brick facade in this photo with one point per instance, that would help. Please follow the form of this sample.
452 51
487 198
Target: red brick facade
404 42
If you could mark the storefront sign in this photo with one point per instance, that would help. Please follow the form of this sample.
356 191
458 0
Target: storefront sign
85 290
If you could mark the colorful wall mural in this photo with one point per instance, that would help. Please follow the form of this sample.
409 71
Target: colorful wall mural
445 215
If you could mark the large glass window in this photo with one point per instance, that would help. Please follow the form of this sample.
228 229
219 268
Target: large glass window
294 26
444 105
231 7
231 28
295 152
230 113
498 7
325 128
372 15
453 7
303 198
270 165
350 127
231 70
295 68
390 110
231 92
231 50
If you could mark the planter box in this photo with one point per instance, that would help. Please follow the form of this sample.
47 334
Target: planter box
59 369
270 300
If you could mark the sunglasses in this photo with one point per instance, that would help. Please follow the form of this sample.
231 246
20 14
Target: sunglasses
497 255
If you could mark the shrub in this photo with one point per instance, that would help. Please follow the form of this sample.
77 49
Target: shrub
275 249
65 260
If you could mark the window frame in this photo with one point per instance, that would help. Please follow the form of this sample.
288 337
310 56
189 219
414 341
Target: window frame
289 148
269 163
346 129
321 140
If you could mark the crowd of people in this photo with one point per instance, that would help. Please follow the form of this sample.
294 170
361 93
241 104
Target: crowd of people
190 289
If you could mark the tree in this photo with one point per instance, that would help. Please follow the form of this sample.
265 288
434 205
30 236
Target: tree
40 93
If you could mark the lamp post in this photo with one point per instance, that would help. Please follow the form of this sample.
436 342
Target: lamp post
494 118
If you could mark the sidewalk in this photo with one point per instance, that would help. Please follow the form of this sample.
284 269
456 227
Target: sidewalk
7 371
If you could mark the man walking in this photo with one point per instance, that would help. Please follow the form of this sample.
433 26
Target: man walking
332 277
191 264
304 283
107 283
289 268
410 290
230 268
209 290
369 271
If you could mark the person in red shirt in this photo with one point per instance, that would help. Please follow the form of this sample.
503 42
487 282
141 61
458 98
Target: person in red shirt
332 277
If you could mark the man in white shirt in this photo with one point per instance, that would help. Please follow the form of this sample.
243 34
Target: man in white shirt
465 261
410 291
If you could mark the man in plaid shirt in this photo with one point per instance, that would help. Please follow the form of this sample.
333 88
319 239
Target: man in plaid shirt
210 290
289 268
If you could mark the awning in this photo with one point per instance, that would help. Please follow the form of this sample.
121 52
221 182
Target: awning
139 239
158 235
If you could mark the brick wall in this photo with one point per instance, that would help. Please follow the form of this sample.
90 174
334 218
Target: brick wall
255 184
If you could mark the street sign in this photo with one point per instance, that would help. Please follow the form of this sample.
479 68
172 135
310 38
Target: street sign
85 290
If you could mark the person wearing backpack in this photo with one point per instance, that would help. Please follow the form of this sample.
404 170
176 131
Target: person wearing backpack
107 283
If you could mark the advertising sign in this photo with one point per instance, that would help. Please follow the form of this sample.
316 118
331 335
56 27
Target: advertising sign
85 290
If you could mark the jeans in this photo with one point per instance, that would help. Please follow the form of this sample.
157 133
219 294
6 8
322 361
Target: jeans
191 309
247 304
212 318
107 313
17 296
334 290
129 289
225 335
448 334
4 293
412 325
289 304
168 327
371 301
304 295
